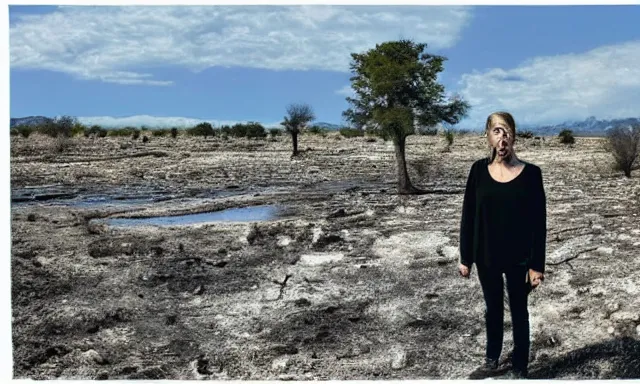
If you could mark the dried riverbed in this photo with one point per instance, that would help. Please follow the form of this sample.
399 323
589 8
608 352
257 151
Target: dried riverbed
347 280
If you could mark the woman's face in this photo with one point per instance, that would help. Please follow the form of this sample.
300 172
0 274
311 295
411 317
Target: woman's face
500 138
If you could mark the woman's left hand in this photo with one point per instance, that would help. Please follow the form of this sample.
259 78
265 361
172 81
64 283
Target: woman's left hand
535 278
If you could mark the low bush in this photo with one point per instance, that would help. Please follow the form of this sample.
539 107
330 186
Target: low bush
351 132
566 136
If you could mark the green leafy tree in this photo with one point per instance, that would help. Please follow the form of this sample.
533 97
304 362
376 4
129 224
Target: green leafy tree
396 93
298 116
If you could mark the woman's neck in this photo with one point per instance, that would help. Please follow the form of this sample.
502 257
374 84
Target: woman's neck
509 162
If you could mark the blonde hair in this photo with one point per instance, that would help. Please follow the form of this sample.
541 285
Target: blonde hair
511 126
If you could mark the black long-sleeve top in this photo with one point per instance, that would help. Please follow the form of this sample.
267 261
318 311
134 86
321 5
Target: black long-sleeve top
504 224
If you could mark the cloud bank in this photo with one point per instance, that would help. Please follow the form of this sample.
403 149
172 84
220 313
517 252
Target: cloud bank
123 44
603 82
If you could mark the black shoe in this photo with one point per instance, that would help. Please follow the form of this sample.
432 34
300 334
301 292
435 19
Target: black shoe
488 369
516 374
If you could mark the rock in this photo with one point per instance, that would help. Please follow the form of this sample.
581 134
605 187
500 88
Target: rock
638 330
625 317
199 290
302 302
102 376
624 237
398 358
93 356
280 363
317 232
337 213
597 228
450 252
284 349
283 241
611 330
605 251
327 239
319 258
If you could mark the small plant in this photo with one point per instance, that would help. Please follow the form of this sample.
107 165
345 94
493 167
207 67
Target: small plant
225 130
159 132
24 130
239 130
525 134
62 143
174 132
449 136
135 135
316 130
428 131
78 130
275 132
255 130
203 129
566 136
351 132
624 145
145 139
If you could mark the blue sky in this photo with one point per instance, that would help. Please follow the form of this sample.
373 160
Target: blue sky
177 65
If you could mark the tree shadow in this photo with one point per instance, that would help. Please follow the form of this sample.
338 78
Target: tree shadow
622 356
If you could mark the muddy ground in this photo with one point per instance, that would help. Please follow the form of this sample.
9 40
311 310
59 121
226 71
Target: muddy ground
349 281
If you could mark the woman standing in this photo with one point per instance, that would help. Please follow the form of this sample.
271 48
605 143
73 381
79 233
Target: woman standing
503 231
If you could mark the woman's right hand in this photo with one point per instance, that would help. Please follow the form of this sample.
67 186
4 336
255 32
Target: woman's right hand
464 270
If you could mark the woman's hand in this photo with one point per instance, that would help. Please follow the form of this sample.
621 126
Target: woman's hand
535 278
464 270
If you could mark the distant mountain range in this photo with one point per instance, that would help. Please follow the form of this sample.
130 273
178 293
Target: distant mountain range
29 120
588 127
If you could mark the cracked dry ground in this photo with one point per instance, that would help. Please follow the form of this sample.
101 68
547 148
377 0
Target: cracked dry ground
352 282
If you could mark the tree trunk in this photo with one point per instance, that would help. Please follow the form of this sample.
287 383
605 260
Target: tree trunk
294 137
404 183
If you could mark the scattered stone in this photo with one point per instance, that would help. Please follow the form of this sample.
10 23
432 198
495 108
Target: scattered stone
94 356
284 349
283 241
337 213
624 237
398 358
102 376
625 317
202 366
320 258
280 363
611 330
302 302
171 319
199 290
597 229
605 251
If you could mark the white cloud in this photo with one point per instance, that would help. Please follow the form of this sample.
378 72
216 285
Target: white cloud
122 44
603 82
157 121
346 91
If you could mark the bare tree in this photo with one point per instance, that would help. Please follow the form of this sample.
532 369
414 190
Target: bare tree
624 145
299 115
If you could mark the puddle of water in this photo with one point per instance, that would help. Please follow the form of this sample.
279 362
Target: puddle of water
247 214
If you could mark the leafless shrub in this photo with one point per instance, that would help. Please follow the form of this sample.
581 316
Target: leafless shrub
624 145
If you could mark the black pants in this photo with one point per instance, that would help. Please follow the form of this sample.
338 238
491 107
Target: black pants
518 291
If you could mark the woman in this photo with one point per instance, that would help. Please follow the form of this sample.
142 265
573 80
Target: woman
503 231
